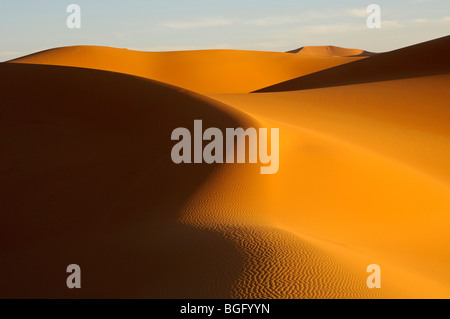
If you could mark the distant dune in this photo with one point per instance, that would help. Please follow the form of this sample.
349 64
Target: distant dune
88 179
330 50
207 71
429 58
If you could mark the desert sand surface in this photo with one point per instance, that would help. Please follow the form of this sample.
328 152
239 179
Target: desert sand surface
363 176
429 58
203 71
331 50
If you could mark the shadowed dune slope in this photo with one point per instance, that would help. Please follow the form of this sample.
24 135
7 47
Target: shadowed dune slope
203 71
87 178
428 58
330 50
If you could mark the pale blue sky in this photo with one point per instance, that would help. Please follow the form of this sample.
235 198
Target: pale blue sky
28 26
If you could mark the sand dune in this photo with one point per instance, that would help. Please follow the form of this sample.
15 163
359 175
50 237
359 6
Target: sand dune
330 50
373 154
207 71
88 177
355 196
429 58
89 180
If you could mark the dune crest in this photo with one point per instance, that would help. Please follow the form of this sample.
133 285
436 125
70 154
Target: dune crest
330 50
423 59
203 71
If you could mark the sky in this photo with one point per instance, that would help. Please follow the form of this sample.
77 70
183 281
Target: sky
28 26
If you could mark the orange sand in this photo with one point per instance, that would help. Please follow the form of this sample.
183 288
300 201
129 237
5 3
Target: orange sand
363 175
331 50
207 71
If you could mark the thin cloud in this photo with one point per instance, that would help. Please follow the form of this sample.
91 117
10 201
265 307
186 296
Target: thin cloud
269 21
305 16
165 48
434 21
9 55
211 22
10 52
390 24
361 13
329 28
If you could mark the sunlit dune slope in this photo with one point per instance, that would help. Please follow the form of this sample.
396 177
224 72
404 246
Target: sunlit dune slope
403 119
207 71
364 177
364 173
330 50
428 58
